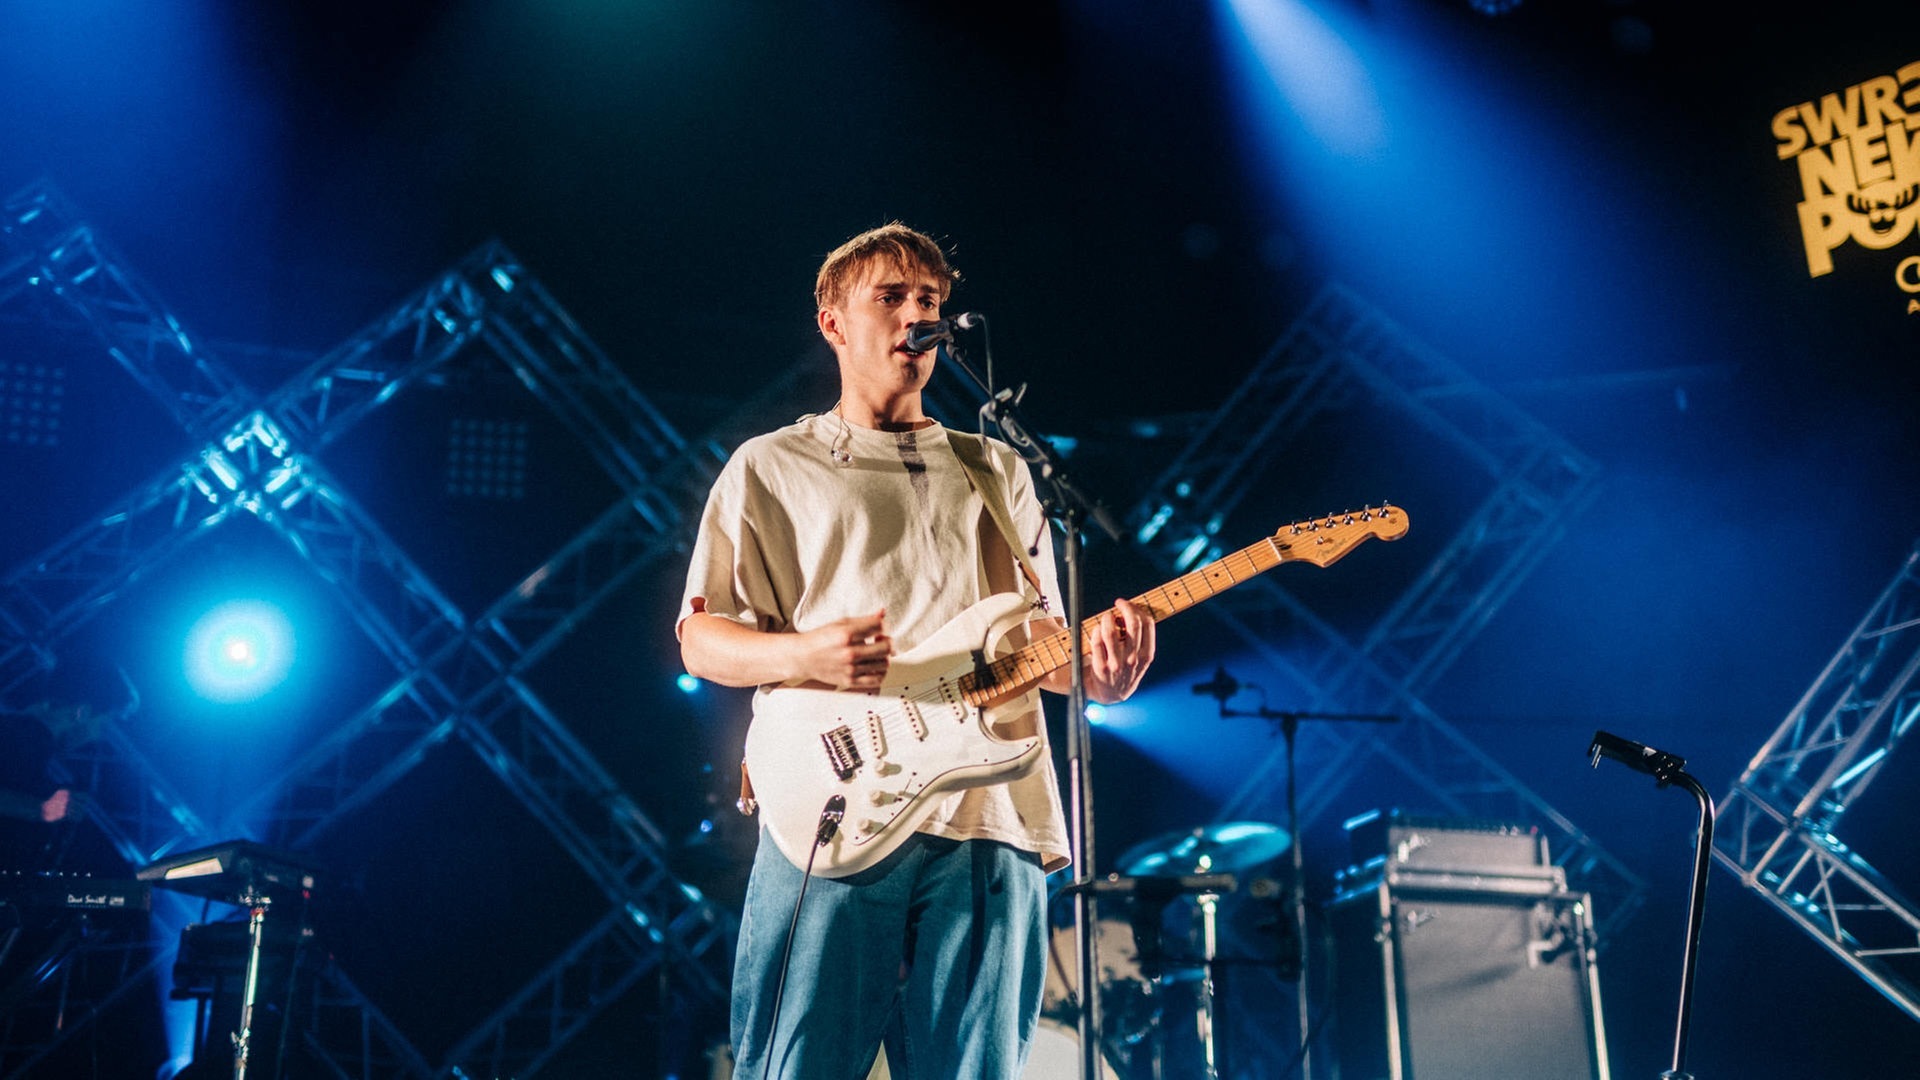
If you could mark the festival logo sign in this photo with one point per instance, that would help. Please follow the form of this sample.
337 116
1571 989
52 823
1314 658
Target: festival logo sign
1858 154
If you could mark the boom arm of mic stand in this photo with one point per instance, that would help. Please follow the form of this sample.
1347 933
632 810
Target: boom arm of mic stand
1003 408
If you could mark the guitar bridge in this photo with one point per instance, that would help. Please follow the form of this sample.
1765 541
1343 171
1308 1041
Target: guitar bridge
842 753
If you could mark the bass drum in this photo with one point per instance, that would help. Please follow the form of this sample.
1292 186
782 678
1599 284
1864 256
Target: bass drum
1115 959
1129 1004
1055 1054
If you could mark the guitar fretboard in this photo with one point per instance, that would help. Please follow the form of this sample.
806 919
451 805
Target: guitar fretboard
1026 666
1321 541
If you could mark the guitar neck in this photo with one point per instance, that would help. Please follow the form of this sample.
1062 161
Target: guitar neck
1021 669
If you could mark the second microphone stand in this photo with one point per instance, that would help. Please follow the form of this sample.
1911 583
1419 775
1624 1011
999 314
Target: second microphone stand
1671 769
1224 688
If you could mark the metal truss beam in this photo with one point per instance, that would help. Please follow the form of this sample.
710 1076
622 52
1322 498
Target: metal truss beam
324 401
485 306
1300 376
1833 743
1498 547
1338 353
1779 821
601 967
364 755
600 825
1827 890
54 1012
46 250
54 593
563 367
452 678
347 1034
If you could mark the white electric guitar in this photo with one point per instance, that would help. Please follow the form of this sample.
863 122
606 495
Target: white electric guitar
960 709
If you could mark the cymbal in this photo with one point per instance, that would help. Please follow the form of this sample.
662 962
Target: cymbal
1227 847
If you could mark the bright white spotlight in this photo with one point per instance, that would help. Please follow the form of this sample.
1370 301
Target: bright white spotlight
1096 713
239 651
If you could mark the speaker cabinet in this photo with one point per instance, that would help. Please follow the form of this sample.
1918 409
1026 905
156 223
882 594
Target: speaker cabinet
1444 983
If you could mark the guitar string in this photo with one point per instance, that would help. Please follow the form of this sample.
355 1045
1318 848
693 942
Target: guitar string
1053 647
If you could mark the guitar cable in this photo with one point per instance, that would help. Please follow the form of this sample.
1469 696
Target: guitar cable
830 817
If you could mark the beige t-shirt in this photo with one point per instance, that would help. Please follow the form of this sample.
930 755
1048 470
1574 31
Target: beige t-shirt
794 538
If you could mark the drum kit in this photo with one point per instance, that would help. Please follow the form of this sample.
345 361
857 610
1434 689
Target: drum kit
1156 956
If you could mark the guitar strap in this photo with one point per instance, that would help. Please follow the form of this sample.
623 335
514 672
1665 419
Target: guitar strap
971 450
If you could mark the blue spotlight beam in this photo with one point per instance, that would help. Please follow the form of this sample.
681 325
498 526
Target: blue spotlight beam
239 651
1779 821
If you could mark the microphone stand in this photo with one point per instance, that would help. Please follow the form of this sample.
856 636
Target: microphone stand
1222 688
1672 769
1069 507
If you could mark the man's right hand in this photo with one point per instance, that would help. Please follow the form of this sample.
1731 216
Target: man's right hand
848 654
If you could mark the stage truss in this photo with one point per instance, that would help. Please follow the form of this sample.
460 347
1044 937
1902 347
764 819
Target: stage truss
454 678
1779 826
1342 353
462 679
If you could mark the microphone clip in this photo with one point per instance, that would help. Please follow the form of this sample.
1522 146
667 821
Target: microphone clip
1222 686
1659 764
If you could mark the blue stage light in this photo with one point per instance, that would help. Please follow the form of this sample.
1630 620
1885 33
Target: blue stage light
687 684
239 651
1314 73
1096 713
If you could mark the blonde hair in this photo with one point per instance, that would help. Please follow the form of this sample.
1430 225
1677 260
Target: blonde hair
903 248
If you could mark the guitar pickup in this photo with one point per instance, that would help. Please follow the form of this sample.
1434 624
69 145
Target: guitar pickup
914 717
842 754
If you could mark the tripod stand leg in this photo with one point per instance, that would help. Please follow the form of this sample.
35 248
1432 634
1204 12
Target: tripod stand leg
243 1039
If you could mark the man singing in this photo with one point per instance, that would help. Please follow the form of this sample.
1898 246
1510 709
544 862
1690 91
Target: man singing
827 547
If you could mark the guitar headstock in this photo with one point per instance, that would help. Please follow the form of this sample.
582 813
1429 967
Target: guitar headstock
1322 541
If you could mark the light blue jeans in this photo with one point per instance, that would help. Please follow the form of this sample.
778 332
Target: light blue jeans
941 949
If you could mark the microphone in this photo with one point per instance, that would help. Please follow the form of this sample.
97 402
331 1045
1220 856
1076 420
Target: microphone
922 336
1222 687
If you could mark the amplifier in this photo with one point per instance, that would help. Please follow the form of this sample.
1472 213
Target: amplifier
1435 983
1406 841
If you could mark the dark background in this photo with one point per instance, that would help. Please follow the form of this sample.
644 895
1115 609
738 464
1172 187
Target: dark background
1579 203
